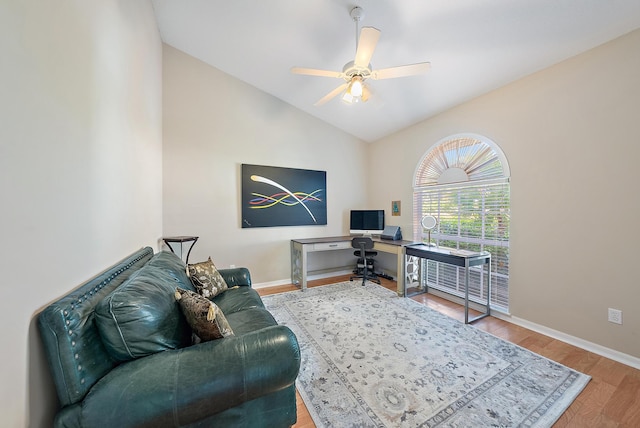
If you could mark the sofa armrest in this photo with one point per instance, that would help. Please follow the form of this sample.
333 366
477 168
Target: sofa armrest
236 276
180 387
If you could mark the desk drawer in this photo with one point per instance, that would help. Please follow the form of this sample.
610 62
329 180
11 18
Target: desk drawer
325 246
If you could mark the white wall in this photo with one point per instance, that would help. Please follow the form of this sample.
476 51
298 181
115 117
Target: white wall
570 134
80 166
213 123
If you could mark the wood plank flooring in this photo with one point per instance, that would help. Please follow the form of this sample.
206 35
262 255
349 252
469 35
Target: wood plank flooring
611 398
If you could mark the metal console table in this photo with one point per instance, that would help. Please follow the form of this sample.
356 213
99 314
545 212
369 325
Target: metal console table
180 240
451 256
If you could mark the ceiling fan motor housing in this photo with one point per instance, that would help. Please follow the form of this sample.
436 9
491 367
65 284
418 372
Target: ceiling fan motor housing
350 69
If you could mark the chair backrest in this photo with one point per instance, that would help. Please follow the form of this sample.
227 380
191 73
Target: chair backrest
357 243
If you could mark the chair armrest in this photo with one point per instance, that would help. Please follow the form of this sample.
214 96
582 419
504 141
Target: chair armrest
236 276
180 387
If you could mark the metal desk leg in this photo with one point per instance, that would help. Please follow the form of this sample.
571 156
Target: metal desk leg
299 265
489 286
466 294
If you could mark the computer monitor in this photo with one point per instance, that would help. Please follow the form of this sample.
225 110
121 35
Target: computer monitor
366 222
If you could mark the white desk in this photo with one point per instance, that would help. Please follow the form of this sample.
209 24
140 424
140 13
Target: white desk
301 248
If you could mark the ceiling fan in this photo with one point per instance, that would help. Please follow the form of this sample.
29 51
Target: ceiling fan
356 72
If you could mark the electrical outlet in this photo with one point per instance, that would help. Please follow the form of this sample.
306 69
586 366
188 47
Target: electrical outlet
615 316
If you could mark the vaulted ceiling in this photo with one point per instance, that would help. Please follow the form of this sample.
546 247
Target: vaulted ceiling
474 46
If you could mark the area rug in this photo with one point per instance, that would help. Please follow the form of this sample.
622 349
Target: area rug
373 359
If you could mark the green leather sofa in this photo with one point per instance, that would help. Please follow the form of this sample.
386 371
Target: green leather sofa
130 362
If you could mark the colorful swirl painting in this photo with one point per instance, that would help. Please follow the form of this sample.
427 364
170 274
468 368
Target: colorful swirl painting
275 196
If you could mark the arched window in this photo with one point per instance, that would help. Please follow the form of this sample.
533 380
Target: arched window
463 181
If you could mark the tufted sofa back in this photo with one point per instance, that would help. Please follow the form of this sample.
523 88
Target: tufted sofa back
76 354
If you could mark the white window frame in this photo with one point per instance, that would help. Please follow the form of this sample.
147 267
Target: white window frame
447 278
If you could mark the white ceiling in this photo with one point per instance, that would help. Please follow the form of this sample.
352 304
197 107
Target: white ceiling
474 46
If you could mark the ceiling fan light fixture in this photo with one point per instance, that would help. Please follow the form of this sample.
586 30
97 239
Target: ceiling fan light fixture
348 98
355 91
355 87
365 93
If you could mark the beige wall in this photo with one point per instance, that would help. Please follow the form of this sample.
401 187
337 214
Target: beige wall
213 123
80 166
570 135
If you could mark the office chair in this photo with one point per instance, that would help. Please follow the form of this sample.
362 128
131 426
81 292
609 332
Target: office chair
364 266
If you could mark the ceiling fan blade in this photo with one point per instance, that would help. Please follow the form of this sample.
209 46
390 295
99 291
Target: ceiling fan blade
401 71
316 72
331 95
366 45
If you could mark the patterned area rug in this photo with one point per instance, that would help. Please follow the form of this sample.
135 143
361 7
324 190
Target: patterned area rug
373 359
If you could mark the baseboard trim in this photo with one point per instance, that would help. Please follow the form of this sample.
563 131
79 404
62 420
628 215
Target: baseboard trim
270 283
603 351
309 278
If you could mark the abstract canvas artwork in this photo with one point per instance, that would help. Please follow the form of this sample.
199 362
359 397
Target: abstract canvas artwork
275 196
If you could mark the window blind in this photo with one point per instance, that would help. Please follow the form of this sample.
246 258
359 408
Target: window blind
471 216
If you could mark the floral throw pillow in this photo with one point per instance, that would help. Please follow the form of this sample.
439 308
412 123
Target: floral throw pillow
205 318
206 279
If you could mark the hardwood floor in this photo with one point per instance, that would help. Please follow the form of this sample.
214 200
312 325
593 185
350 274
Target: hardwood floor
610 399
